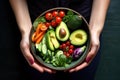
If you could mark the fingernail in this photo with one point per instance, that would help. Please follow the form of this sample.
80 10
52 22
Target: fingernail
88 59
31 61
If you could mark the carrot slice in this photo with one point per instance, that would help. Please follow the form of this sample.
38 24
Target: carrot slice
39 39
38 28
43 27
39 35
33 36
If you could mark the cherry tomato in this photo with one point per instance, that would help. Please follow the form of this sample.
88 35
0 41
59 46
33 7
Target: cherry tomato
70 51
55 13
47 24
61 47
58 19
53 23
71 47
64 45
67 54
48 16
68 43
61 14
64 53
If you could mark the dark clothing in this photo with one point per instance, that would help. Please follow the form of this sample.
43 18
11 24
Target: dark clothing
36 7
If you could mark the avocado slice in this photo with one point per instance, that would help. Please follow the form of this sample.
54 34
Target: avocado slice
78 37
62 32
48 41
51 41
54 40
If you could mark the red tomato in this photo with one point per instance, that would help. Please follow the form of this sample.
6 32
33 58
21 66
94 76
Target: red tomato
67 55
55 13
64 53
68 43
71 47
70 51
64 45
53 23
47 24
48 16
61 14
58 19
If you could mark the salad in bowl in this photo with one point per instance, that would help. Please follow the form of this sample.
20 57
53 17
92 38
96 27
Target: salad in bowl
60 38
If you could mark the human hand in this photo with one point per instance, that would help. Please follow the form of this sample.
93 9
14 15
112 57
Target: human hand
95 44
25 48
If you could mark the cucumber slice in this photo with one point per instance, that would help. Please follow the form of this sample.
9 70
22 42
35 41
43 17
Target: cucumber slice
39 47
44 40
44 49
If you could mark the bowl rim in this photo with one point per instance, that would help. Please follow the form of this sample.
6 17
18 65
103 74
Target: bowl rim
40 61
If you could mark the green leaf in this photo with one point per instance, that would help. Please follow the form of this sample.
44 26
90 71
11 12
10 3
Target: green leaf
37 21
70 13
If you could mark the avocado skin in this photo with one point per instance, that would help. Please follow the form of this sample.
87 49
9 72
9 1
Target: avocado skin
74 22
63 26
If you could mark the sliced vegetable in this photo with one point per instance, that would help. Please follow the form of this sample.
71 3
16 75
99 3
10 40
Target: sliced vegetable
38 36
38 47
33 36
37 21
43 27
44 49
39 39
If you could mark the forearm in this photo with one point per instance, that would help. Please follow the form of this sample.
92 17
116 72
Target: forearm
98 15
21 12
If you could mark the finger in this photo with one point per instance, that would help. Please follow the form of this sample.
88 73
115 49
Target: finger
37 67
49 70
28 56
80 67
26 53
92 53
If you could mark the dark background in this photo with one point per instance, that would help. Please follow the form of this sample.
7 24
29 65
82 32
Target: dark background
14 67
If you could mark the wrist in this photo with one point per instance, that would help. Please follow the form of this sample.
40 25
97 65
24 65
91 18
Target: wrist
25 33
95 30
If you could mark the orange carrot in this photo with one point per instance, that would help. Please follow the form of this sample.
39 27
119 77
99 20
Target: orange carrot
33 36
43 27
39 39
39 35
38 28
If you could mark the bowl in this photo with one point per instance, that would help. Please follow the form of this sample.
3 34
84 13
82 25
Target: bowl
71 62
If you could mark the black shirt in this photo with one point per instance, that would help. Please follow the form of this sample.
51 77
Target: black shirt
36 7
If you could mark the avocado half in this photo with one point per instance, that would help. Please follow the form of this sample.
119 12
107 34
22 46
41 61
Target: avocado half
78 37
58 31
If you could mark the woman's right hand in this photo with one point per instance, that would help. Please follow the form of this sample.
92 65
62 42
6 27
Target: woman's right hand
25 48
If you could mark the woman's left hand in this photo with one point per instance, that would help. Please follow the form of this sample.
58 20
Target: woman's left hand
95 44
